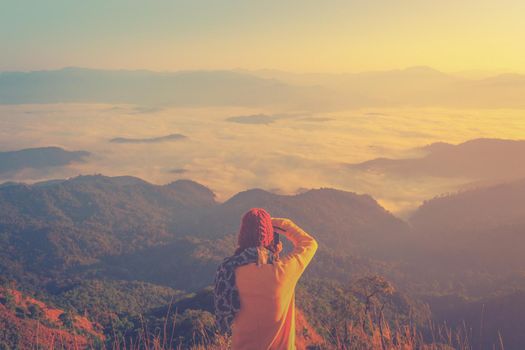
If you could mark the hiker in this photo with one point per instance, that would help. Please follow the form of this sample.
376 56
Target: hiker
255 288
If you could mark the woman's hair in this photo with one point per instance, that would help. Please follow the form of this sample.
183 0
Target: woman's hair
256 230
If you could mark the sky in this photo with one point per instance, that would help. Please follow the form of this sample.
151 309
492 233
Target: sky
299 36
309 142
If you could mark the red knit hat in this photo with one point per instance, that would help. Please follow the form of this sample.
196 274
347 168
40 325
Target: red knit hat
256 229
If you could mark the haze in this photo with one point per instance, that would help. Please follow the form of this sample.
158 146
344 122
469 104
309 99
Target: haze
210 91
135 134
300 36
294 151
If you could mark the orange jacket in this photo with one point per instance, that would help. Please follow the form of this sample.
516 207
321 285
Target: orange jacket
266 319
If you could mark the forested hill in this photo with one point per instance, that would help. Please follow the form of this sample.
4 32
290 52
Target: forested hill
482 208
119 248
95 222
62 223
479 231
343 221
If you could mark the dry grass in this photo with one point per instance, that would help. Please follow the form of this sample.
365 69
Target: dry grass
369 332
364 334
372 337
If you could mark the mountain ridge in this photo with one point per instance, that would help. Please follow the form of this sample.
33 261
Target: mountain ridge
38 158
478 159
413 86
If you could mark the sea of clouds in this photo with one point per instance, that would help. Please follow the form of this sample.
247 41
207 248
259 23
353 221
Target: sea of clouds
234 149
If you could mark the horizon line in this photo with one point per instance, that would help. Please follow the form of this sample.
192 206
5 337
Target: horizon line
498 71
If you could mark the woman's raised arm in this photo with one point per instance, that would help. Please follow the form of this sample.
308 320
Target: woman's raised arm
305 245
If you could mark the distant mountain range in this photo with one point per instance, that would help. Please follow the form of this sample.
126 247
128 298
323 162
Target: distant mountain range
481 159
187 88
415 86
38 158
485 160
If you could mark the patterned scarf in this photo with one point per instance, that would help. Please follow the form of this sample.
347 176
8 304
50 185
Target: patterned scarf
226 295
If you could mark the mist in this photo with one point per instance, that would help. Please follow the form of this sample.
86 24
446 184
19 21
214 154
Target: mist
296 151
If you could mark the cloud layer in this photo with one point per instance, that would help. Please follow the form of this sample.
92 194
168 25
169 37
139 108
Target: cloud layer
294 153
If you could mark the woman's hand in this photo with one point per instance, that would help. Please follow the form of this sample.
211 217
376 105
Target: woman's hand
279 224
279 247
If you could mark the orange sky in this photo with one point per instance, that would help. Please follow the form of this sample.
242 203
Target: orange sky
307 35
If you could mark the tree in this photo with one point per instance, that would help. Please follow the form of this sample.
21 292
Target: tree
374 289
67 319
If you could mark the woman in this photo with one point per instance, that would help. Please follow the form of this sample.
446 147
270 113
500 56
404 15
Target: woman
255 288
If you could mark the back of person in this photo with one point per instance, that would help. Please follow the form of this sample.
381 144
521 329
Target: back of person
266 319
